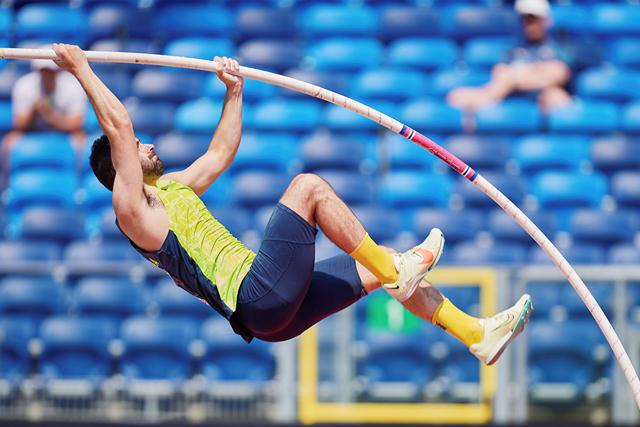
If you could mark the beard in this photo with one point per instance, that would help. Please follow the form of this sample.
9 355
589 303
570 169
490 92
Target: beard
153 170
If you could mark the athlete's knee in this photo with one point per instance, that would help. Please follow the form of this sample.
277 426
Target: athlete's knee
309 186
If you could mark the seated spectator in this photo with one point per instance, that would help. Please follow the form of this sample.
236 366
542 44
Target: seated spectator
536 66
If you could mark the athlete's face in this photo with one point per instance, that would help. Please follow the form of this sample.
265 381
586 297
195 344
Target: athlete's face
152 166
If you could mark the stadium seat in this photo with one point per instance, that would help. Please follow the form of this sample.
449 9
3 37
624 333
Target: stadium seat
514 116
6 20
58 23
235 219
405 189
264 22
200 47
153 118
609 83
624 254
96 199
402 21
25 250
158 85
85 251
288 116
119 82
434 116
585 116
577 253
229 358
352 187
388 84
278 55
338 20
574 19
474 21
504 229
568 189
253 90
468 253
198 116
625 187
14 352
109 300
109 21
534 153
108 230
45 150
252 189
616 19
485 52
614 154
512 186
31 298
344 54
624 52
75 348
156 349
403 154
330 152
604 228
381 223
6 116
423 53
631 118
41 187
456 225
182 20
179 150
52 224
546 296
219 194
603 292
485 153
275 152
174 302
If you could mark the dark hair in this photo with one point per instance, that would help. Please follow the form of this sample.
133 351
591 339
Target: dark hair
101 163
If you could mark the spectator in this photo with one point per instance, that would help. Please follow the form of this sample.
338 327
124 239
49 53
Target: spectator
537 66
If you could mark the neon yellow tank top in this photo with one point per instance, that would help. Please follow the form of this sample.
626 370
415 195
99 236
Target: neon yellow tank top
222 258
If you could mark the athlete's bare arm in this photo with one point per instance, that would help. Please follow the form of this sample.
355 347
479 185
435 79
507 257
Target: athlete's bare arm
147 227
226 139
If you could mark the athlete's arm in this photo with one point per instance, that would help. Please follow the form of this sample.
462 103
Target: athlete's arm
226 139
129 202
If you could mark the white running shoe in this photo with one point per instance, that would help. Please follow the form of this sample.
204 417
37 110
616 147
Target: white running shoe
501 329
414 264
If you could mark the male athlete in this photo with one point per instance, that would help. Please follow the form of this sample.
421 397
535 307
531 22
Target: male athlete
278 293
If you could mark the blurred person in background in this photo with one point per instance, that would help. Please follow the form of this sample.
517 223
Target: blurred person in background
537 66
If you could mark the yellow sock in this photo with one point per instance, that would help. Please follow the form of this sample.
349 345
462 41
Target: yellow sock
376 260
458 323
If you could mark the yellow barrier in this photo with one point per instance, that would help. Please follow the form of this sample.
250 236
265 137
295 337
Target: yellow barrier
312 411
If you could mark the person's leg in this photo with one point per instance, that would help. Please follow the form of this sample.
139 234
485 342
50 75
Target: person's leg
553 97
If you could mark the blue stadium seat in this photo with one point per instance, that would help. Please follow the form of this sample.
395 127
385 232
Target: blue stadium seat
624 51
235 219
96 199
329 80
119 82
485 52
542 152
512 186
609 83
278 55
423 53
568 189
31 298
253 90
616 19
457 369
109 21
158 85
84 251
581 254
253 189
329 152
58 23
258 22
338 20
25 250
603 292
46 150
624 254
200 47
276 152
389 84
41 187
132 44
498 253
52 224
380 222
345 54
571 19
456 225
482 153
174 302
401 21
156 349
546 297
505 229
517 115
153 118
6 116
219 194
6 20
15 359
229 358
108 230
287 115
631 118
434 116
585 116
179 150
404 189
74 348
603 228
109 300
625 187
198 116
182 20
616 153
339 119
473 21
352 187
404 154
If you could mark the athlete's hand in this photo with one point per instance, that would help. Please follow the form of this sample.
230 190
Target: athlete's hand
70 58
229 74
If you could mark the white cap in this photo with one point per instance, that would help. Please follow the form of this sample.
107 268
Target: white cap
42 64
533 7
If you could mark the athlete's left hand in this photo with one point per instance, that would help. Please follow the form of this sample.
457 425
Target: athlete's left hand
229 66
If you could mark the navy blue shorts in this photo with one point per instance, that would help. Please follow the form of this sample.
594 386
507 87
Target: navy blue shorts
285 292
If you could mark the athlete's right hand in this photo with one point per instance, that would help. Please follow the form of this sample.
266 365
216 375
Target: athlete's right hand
70 58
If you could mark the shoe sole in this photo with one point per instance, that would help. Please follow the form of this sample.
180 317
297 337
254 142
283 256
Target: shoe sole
414 284
517 329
